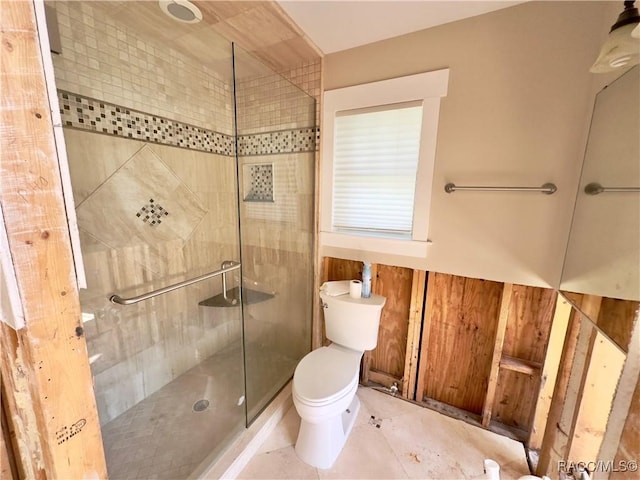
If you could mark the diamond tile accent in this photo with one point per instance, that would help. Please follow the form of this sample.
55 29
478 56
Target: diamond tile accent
143 180
152 213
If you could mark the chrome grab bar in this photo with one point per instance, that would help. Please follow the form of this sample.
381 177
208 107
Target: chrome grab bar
145 296
596 188
225 264
547 188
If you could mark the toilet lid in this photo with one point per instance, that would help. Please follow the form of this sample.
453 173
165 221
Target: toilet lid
326 373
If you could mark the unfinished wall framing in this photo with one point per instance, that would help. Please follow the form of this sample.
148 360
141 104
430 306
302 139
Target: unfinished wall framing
515 359
50 408
473 348
589 382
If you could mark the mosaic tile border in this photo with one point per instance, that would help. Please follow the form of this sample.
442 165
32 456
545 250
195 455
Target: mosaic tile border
87 113
82 112
282 141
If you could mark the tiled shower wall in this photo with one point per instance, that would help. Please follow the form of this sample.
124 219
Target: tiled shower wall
107 61
137 349
273 102
278 235
128 89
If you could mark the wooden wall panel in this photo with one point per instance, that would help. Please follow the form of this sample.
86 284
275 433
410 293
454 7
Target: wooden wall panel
457 353
395 284
530 316
527 335
615 317
459 344
338 269
616 320
516 399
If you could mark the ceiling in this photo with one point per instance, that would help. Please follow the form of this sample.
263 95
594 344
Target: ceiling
338 25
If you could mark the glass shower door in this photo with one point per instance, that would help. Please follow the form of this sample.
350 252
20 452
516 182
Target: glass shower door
276 165
147 109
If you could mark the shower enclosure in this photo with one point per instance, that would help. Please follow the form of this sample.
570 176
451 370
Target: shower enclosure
187 156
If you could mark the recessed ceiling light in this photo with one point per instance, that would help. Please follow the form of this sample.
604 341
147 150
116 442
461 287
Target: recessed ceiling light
181 10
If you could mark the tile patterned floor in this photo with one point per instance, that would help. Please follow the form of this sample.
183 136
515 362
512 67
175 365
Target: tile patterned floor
393 439
162 437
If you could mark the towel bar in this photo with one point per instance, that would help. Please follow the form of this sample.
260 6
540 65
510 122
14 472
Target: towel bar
547 188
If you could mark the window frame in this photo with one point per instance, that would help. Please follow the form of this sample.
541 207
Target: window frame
428 88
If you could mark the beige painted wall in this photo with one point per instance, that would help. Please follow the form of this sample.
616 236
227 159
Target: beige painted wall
517 113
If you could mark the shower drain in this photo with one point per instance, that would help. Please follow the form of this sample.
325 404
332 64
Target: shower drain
201 405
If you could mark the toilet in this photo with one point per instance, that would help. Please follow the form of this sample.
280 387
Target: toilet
325 381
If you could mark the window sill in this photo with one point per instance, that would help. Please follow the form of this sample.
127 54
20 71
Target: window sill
403 253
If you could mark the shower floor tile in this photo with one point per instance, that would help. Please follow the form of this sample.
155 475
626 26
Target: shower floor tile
393 439
162 437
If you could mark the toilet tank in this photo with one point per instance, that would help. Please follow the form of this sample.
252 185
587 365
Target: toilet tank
352 322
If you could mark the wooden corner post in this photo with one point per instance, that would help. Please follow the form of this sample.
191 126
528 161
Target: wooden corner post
50 402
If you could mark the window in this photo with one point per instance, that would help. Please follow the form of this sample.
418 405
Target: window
375 162
378 156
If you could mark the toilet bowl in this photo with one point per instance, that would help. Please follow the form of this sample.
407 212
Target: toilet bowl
326 380
324 394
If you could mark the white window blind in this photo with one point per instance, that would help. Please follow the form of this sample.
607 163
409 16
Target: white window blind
376 154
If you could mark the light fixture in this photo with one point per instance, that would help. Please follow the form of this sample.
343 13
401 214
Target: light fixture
181 10
622 47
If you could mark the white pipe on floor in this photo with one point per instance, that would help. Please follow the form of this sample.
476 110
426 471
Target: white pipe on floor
491 469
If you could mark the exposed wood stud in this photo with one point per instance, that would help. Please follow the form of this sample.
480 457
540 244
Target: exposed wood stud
554 440
424 341
622 437
319 333
383 379
413 334
602 370
44 365
497 354
550 371
366 358
629 445
519 365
